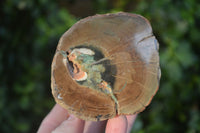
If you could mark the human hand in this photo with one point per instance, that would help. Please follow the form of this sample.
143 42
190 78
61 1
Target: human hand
60 121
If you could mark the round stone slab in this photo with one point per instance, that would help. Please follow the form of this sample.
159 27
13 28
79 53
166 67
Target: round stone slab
106 65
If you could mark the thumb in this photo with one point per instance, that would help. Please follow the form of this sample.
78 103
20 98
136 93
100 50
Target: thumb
117 125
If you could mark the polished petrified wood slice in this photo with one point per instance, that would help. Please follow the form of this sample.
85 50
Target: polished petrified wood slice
106 65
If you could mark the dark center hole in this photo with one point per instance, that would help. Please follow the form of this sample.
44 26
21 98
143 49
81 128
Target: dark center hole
70 65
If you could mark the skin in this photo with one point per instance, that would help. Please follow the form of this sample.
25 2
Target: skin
60 121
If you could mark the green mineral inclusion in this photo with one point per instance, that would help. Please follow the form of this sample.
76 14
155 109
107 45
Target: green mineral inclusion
93 71
94 74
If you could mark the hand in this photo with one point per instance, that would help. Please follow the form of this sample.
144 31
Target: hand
60 121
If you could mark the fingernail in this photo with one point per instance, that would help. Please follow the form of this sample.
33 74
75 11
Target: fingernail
71 117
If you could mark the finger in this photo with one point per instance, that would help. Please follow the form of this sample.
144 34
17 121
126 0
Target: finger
53 119
117 125
71 125
95 127
131 120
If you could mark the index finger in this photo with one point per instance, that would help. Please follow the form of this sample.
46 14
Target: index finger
53 119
